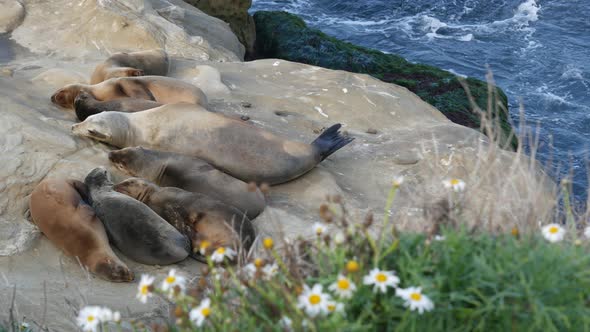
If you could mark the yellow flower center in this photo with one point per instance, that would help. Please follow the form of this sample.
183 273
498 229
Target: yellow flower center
380 277
205 312
204 244
144 290
454 182
170 279
514 231
553 229
314 299
352 266
343 284
319 230
267 242
258 262
416 296
331 307
221 250
90 318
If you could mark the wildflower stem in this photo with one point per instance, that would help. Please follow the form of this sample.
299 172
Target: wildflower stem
388 204
568 207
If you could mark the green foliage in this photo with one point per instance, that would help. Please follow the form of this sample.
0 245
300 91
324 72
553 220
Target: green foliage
285 36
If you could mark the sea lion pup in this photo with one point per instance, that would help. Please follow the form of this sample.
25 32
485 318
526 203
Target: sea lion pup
152 62
195 215
59 209
164 90
169 169
86 105
237 148
133 227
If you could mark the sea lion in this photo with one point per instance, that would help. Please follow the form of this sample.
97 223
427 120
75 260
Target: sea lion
59 209
86 105
160 89
195 215
237 148
152 62
169 169
133 227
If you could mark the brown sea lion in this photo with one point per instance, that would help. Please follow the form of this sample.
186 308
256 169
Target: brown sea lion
58 208
86 105
237 148
160 89
152 62
137 231
169 169
195 215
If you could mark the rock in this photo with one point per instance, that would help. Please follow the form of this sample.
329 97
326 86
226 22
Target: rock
81 28
285 36
234 12
11 15
290 99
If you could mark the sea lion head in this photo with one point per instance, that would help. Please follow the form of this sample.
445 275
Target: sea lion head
98 177
113 270
140 189
106 127
128 160
65 96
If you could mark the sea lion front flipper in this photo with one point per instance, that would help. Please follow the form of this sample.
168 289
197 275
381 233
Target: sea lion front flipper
137 89
81 188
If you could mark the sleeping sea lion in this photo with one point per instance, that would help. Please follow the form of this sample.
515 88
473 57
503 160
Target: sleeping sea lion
237 148
133 227
195 215
169 169
152 62
59 209
86 105
160 89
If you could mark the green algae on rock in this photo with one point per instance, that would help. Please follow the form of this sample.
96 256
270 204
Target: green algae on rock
286 36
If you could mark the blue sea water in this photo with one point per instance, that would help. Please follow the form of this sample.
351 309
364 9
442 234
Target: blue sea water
538 50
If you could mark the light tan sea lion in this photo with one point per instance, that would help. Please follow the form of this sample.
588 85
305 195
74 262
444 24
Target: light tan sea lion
168 169
152 62
197 216
86 105
163 90
58 208
235 147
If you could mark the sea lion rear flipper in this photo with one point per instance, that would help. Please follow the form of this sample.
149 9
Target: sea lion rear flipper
330 141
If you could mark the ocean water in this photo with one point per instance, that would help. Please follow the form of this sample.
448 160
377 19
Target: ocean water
538 51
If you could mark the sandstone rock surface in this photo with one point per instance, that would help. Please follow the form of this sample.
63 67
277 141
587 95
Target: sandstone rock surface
11 15
409 137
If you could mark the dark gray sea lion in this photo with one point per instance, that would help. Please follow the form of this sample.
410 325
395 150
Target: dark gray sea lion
197 216
152 62
160 89
86 105
136 230
59 208
169 169
237 148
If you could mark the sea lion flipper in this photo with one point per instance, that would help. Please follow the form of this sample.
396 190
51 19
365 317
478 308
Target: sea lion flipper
137 90
330 141
81 188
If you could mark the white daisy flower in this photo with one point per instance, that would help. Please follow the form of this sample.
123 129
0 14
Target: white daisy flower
339 237
398 180
24 326
439 238
200 313
220 253
116 317
381 279
335 307
105 315
587 232
286 323
553 232
414 299
173 280
343 287
203 247
143 289
89 318
313 301
318 228
250 269
270 270
456 184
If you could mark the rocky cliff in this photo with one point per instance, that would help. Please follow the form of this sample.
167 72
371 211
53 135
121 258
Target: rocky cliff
396 132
